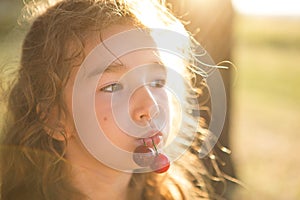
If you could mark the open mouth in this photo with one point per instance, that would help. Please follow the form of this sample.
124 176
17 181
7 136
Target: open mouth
152 140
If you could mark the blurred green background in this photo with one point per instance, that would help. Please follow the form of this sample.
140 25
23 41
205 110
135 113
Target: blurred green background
266 106
265 122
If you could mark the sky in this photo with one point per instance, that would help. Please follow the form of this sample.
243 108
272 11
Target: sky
268 7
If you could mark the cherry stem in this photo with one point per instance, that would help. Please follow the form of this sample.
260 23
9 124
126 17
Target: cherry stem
154 147
144 142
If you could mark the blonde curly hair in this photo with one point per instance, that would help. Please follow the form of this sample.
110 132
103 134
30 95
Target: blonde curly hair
32 162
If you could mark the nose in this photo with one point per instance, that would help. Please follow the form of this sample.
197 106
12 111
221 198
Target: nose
143 106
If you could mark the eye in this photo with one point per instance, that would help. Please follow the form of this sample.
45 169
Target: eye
112 88
158 83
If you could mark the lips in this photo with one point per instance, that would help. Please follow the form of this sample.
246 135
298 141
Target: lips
156 139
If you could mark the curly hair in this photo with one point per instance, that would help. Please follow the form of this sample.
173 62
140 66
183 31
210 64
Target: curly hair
32 161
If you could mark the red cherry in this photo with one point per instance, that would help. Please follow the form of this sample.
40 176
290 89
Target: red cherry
143 156
160 163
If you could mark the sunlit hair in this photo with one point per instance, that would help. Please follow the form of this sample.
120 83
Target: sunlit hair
32 161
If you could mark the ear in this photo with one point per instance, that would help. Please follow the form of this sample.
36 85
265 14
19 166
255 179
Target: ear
54 125
60 135
57 134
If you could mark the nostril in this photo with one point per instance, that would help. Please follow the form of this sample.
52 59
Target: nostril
145 118
150 115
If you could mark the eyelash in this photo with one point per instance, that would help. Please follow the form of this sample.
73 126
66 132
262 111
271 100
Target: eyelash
114 87
159 83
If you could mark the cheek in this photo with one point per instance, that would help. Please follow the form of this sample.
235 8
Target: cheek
104 113
105 122
163 98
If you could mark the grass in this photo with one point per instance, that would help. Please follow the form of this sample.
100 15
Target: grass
266 109
267 51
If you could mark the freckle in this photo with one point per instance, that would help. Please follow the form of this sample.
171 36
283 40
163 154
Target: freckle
105 118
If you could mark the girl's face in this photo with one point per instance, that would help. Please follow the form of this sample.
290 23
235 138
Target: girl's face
132 88
128 95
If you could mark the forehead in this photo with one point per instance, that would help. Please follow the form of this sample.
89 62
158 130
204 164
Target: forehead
119 46
145 59
95 38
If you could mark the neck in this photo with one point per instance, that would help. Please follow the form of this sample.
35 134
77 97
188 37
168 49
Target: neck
96 180
101 184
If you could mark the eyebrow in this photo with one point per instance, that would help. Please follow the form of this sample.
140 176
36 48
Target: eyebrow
116 67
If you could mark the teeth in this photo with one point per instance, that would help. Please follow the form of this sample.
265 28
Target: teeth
160 137
148 141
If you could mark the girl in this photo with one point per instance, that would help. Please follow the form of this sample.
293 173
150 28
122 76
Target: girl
97 108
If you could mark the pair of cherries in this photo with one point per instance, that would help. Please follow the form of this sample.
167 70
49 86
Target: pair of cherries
145 156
